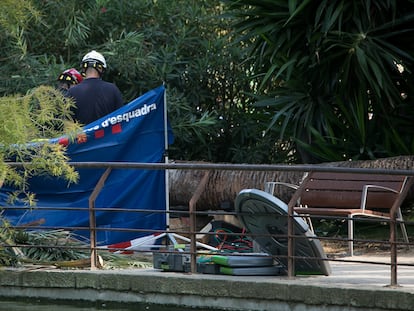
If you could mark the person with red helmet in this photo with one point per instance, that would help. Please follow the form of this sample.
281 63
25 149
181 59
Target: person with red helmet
94 98
67 79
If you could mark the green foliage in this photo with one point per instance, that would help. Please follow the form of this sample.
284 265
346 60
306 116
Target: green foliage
184 44
331 72
33 118
326 76
19 246
50 245
8 255
15 17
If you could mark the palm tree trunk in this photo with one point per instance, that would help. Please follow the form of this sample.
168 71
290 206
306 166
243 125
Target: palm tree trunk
223 186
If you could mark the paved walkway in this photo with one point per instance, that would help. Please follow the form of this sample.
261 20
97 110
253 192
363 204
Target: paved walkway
355 271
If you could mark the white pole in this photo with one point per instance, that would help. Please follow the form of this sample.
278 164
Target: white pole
167 190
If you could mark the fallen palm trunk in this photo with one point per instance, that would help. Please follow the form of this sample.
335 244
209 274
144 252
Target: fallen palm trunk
224 185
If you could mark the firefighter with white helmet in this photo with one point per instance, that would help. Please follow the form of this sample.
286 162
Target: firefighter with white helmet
94 60
94 97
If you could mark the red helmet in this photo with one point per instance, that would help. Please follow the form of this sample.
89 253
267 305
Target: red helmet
70 76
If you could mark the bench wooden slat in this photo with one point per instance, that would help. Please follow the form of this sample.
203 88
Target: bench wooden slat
356 176
350 185
338 212
346 199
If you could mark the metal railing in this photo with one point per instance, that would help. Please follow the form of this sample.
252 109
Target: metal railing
193 213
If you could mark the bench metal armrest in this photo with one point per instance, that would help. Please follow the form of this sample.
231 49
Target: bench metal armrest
270 186
365 193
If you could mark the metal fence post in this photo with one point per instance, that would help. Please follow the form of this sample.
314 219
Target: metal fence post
92 220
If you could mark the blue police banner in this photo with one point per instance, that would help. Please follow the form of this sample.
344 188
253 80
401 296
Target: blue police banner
134 133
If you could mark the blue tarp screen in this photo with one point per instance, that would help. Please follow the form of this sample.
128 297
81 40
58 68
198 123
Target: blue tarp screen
134 133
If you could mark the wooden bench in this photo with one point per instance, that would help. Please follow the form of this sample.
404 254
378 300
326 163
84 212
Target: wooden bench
348 195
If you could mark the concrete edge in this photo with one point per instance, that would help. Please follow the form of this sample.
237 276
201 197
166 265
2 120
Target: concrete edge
198 290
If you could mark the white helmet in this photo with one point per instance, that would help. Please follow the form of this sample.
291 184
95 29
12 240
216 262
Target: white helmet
94 56
95 60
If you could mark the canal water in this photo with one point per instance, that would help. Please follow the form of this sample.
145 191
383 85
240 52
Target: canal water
39 305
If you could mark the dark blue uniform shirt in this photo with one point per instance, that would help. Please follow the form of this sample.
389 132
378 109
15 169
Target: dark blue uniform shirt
94 98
